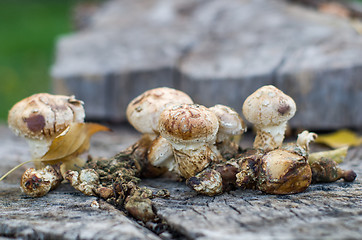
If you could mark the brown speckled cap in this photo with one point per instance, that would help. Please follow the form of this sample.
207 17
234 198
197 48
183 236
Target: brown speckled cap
188 123
268 106
44 115
144 111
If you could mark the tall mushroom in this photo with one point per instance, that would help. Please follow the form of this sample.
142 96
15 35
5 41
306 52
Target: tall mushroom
269 109
191 129
41 117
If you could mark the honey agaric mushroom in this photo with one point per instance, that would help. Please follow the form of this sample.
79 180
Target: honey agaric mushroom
41 117
269 109
144 111
230 126
191 129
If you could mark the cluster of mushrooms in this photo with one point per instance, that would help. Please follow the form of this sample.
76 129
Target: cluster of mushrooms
196 143
200 144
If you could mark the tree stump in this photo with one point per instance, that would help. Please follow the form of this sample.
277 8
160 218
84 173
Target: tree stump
324 211
218 52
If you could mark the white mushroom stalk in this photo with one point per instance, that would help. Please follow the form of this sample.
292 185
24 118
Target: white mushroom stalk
41 117
269 109
191 129
305 138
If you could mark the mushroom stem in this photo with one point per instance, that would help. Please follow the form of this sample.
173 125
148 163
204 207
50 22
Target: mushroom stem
38 147
270 137
192 159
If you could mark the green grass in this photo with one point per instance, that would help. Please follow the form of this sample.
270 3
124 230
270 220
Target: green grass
28 30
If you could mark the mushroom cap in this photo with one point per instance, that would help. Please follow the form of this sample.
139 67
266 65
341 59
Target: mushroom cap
144 111
188 123
44 116
230 122
268 106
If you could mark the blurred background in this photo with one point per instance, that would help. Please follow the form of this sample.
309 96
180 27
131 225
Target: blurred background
108 52
29 30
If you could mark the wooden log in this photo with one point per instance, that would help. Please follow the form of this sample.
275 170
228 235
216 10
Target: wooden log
324 211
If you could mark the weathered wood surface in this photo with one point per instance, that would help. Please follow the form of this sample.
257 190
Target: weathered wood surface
324 211
218 52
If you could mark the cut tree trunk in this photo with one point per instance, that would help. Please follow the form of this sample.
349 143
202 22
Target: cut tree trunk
324 211
218 52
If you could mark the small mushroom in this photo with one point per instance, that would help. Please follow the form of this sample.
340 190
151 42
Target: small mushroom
305 138
208 182
144 111
191 129
160 154
283 172
269 109
41 117
143 114
37 183
86 181
231 125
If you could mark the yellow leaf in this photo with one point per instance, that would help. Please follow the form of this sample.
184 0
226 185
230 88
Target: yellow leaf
341 138
71 142
338 155
65 148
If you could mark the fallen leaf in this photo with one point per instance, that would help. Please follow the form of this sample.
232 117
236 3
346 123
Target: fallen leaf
334 9
66 147
341 138
337 155
73 141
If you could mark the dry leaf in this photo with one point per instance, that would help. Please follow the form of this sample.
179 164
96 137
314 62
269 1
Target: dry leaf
357 25
337 155
71 142
66 147
341 138
334 9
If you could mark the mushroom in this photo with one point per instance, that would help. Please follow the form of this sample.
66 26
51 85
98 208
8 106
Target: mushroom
144 111
305 138
279 171
41 117
160 154
208 182
230 126
37 183
191 129
269 109
143 114
283 172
